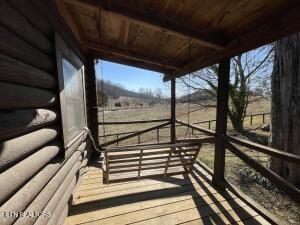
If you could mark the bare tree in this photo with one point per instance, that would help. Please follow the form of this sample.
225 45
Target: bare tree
249 71
158 94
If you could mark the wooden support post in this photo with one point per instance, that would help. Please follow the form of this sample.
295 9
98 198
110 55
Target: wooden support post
209 125
173 111
139 138
221 122
157 135
92 99
117 139
251 120
263 118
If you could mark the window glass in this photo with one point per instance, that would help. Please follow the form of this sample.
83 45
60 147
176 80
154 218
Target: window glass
74 98
70 71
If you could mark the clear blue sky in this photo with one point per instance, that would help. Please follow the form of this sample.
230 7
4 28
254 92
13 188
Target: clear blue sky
132 78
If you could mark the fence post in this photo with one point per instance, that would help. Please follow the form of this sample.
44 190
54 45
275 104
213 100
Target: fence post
117 141
139 138
157 135
263 118
251 118
209 125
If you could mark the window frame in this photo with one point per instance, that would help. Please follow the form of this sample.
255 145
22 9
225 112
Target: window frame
63 51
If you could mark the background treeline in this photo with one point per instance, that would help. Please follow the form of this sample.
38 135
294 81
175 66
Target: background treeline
112 94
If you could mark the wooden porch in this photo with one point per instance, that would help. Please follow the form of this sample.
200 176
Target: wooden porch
42 164
177 199
141 191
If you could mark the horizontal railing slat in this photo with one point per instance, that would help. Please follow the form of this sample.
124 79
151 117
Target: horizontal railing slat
266 150
134 155
137 159
197 140
150 147
206 131
132 122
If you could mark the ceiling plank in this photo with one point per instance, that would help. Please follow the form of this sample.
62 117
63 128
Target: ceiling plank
156 21
275 28
128 53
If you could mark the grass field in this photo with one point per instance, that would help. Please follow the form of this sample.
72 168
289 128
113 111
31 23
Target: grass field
182 109
270 198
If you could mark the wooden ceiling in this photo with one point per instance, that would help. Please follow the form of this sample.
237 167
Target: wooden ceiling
176 37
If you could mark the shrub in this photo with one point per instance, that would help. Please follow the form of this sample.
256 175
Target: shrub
151 103
118 104
249 175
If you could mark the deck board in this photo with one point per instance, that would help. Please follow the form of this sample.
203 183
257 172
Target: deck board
178 199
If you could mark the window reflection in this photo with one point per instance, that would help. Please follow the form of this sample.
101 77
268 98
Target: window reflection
74 99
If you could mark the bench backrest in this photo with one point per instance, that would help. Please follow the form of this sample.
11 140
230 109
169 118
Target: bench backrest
156 159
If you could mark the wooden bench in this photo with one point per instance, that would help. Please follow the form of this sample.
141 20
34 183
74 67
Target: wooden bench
137 158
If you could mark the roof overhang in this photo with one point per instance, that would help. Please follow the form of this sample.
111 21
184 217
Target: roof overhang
177 37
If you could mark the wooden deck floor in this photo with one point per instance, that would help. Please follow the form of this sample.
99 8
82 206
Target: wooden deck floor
178 199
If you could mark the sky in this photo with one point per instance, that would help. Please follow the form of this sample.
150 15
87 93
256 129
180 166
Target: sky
132 78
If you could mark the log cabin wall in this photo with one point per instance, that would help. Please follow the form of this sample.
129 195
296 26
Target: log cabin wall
35 175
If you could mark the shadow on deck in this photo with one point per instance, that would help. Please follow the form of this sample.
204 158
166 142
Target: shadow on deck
177 199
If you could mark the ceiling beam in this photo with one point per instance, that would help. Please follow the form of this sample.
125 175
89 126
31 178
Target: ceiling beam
128 61
275 28
157 21
128 53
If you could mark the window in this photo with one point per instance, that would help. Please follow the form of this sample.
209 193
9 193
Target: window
72 95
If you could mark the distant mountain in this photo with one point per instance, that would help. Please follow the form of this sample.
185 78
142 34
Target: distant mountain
198 95
115 91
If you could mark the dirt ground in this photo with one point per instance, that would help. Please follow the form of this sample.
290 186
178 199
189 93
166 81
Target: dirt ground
276 202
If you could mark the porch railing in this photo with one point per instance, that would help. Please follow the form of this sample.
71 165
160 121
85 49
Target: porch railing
231 144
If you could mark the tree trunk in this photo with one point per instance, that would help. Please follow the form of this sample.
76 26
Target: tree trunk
237 103
237 124
285 110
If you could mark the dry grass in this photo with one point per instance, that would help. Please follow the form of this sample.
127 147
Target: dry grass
274 201
182 110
